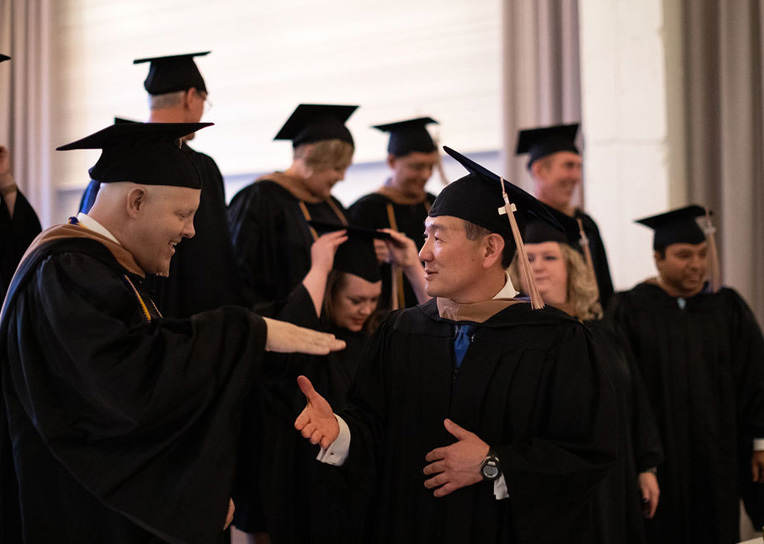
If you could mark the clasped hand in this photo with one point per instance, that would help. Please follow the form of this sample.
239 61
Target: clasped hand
457 465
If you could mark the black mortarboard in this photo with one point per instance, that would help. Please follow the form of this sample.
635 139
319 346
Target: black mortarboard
315 122
477 198
409 136
356 255
540 142
538 231
173 73
147 153
3 58
676 227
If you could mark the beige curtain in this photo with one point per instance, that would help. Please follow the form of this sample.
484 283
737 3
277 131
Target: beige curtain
25 99
541 79
724 88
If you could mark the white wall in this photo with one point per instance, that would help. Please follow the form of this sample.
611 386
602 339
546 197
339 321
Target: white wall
625 92
396 59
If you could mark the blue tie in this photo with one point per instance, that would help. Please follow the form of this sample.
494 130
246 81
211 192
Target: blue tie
462 341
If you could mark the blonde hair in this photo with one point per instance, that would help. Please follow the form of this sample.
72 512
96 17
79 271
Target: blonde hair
581 291
325 154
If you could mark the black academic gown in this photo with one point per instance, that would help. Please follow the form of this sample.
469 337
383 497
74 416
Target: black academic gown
305 502
371 211
203 272
16 233
617 500
272 239
527 386
123 425
599 256
702 363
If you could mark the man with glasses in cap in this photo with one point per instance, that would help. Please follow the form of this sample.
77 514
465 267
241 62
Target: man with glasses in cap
122 425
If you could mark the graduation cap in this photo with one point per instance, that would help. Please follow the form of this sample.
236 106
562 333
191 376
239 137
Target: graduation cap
3 58
409 136
173 73
680 226
538 231
147 153
356 255
491 202
543 141
315 122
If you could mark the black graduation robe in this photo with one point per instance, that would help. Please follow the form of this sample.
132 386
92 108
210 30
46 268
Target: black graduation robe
527 386
16 233
371 211
702 361
272 239
304 501
203 271
123 425
617 500
599 256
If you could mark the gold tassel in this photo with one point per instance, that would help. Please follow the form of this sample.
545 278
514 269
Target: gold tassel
439 163
584 241
526 274
713 255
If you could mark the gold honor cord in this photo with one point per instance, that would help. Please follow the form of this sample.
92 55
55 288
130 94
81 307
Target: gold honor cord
397 297
138 297
713 255
439 163
332 205
584 241
525 267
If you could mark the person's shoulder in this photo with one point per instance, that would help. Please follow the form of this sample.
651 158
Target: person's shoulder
371 200
263 188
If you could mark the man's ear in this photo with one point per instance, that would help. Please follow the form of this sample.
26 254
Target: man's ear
188 97
136 201
391 161
537 168
494 247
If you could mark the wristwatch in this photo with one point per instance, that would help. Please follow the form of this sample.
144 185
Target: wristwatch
490 468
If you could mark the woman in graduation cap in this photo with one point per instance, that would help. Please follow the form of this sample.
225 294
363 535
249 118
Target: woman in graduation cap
339 294
269 218
564 280
402 203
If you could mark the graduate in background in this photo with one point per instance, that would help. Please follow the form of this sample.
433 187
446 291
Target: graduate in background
339 295
474 417
555 166
630 491
701 355
122 425
203 274
402 203
269 218
18 221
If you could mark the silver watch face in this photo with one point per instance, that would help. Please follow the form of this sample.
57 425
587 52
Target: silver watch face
490 471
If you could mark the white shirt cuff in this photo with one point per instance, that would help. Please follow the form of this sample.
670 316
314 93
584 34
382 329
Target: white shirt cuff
500 490
758 444
337 452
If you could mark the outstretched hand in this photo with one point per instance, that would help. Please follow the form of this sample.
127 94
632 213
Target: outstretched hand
457 465
285 337
317 421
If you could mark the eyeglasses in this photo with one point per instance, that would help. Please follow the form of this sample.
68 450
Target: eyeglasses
207 102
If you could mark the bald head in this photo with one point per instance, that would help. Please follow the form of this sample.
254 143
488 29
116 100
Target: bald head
148 220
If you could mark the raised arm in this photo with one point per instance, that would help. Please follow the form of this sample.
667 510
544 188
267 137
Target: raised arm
322 259
403 252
